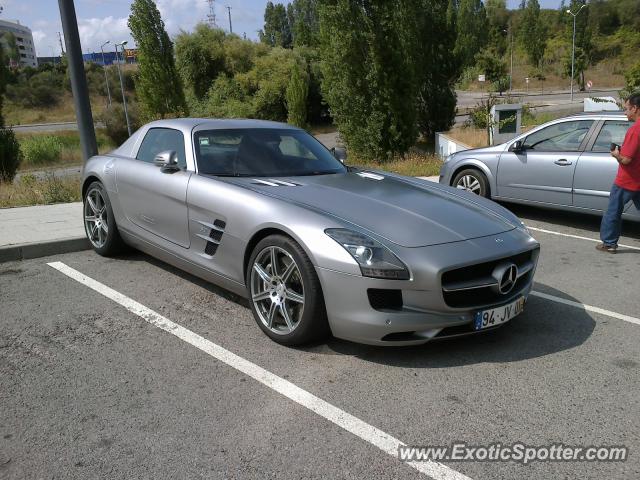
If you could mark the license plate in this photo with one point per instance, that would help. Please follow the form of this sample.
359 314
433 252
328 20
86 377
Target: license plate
497 316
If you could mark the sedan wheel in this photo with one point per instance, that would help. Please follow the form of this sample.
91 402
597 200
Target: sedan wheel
284 292
473 181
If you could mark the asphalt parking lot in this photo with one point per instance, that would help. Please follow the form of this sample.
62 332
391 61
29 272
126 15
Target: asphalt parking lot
90 389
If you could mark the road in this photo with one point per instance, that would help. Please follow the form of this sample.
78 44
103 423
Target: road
91 390
468 99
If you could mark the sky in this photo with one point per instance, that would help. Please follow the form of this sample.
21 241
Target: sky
102 20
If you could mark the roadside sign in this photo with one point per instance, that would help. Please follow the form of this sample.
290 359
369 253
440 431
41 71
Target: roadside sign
526 79
589 84
481 78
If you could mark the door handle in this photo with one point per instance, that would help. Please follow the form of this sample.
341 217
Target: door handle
563 162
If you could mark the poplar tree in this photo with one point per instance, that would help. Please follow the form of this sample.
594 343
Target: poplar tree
471 23
533 33
158 85
296 95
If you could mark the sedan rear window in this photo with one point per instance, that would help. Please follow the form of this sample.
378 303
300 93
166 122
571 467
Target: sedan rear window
262 152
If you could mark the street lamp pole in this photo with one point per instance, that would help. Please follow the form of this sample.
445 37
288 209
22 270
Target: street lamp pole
124 98
510 33
104 67
573 49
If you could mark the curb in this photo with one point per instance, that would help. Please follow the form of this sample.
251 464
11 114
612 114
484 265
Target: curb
26 251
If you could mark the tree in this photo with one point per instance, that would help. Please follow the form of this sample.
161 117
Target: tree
498 19
277 31
296 95
494 68
533 33
471 24
200 57
584 46
9 148
438 69
369 75
303 21
158 85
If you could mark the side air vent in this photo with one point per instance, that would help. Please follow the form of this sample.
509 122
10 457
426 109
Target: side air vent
216 230
274 183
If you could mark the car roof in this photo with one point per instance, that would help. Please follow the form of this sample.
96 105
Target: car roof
216 123
603 113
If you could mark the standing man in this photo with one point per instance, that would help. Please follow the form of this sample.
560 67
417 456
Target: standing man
626 186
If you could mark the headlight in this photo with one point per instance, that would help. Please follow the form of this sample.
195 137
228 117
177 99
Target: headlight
375 260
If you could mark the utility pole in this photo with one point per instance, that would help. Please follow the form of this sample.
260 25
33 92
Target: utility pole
573 49
78 79
104 67
60 40
230 27
124 97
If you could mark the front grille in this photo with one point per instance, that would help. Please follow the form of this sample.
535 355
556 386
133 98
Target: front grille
473 285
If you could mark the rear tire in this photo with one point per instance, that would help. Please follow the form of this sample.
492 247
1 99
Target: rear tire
284 292
473 181
99 222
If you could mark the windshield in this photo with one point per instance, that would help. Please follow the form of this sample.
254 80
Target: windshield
262 152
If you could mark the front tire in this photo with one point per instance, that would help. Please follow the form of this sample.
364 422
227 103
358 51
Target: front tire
99 222
284 292
473 181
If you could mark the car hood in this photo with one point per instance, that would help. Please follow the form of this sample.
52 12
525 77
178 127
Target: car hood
405 211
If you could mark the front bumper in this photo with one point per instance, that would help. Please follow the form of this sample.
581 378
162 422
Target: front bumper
423 314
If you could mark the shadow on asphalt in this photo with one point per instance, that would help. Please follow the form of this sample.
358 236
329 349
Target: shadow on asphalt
544 328
582 221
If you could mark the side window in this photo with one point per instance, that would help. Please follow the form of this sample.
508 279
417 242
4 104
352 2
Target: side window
560 137
613 131
159 140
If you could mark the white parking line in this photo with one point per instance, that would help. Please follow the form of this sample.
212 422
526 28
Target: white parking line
588 308
535 229
344 420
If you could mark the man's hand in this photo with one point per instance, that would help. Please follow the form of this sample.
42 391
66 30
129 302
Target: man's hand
615 153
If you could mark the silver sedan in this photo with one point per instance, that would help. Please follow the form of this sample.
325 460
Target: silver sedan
264 210
563 164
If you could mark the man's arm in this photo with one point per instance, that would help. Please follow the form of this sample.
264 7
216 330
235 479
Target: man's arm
622 159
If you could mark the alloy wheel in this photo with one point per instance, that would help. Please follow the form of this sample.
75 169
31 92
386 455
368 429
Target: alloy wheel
277 291
96 218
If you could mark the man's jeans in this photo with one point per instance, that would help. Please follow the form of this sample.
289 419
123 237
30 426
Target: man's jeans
612 219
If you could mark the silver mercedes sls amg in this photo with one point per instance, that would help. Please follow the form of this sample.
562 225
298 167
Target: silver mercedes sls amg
317 247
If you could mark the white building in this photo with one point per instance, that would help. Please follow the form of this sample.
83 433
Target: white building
24 42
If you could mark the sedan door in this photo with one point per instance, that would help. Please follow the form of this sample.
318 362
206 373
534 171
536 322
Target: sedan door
153 198
597 169
543 170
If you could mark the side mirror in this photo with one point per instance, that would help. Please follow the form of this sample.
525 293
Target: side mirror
339 153
167 160
517 146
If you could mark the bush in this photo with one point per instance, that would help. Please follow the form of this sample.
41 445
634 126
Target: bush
56 190
41 150
10 155
116 124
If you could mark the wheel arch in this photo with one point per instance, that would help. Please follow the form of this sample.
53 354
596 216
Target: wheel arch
88 181
479 166
262 234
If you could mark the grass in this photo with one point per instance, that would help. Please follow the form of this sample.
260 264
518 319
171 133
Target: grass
31 191
413 164
63 111
70 155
